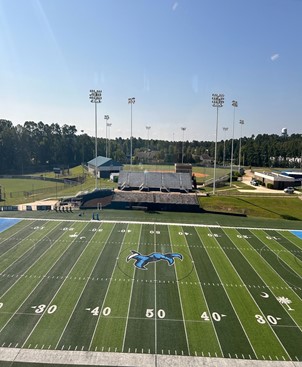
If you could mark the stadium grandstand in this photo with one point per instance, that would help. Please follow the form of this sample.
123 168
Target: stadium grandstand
149 191
155 181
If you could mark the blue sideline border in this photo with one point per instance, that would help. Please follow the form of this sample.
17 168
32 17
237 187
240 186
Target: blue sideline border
7 223
297 233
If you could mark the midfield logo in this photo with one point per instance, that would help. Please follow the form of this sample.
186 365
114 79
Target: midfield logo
142 260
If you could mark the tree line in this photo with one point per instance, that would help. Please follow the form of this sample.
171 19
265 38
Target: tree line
37 146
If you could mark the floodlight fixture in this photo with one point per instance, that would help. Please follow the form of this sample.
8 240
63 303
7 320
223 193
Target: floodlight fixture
235 105
108 124
106 117
225 129
217 101
95 96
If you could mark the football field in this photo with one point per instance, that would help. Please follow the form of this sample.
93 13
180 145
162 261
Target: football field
149 288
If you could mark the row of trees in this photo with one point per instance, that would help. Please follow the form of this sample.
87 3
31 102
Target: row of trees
35 146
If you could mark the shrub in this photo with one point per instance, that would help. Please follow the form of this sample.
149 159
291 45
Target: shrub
270 186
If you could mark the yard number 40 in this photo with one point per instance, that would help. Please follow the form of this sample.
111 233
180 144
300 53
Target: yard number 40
215 316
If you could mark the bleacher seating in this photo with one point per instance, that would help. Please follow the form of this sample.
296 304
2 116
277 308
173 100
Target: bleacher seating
155 181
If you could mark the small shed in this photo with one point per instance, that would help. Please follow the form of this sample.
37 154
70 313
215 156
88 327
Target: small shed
105 166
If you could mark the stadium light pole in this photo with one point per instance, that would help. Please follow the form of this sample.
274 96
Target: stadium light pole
234 104
109 125
82 131
131 101
148 130
95 96
225 129
241 122
183 138
106 117
217 101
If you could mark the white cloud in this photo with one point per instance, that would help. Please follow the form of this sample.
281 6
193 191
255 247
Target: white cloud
275 57
174 6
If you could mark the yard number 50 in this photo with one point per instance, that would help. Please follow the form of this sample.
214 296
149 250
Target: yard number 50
160 313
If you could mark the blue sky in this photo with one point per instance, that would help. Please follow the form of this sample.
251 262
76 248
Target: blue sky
170 55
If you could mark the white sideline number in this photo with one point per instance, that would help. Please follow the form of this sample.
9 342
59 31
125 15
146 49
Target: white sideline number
215 316
160 313
271 319
41 308
96 311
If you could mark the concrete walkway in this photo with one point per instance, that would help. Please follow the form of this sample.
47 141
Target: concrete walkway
128 359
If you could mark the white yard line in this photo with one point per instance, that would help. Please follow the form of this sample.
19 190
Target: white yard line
110 281
179 296
21 277
160 224
57 291
136 360
277 274
29 249
204 297
251 296
14 234
83 289
155 299
231 303
130 298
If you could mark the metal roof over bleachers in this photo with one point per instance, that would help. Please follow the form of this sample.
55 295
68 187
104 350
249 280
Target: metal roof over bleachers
155 181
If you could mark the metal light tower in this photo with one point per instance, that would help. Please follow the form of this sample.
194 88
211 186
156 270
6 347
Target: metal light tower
108 124
95 97
106 117
183 138
148 130
241 122
217 101
131 101
234 104
82 131
225 129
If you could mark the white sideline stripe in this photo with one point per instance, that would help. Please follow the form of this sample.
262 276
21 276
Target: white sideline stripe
158 223
129 359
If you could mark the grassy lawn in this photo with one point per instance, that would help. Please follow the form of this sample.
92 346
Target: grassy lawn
253 206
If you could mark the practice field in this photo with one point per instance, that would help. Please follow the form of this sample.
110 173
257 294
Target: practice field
146 288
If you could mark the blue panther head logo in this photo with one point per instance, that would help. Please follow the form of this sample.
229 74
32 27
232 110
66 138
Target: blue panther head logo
142 260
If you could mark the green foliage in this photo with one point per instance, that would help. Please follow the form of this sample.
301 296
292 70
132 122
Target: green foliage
269 185
34 147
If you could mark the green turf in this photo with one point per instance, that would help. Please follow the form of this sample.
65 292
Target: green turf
236 292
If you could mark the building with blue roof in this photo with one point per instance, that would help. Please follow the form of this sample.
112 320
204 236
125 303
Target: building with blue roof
104 166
